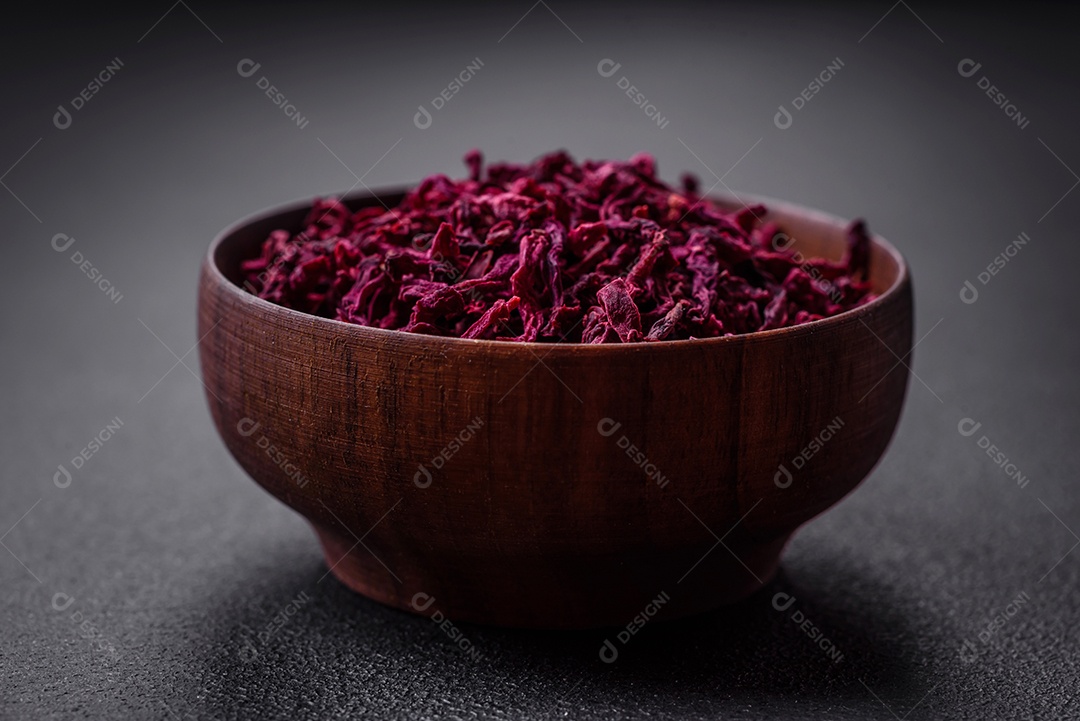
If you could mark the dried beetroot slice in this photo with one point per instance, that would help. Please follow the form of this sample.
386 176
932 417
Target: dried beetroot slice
662 328
487 325
555 251
622 314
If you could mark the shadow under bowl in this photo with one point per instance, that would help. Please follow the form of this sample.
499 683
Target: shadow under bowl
553 485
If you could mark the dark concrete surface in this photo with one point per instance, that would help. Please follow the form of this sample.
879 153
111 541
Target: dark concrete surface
148 586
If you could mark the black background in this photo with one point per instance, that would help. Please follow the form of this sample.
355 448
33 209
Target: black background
174 562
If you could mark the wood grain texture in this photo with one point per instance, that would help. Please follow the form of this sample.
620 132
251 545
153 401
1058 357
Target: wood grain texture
531 516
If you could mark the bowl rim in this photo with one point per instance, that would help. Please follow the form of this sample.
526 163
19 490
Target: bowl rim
332 324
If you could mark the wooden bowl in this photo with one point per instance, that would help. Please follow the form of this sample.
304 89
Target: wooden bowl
553 485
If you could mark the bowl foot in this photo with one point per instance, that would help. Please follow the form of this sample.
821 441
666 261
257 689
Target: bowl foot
556 593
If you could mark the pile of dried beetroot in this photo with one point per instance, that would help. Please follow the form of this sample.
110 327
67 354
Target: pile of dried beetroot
554 251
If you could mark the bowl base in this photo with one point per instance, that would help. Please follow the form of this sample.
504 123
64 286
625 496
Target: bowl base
579 596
